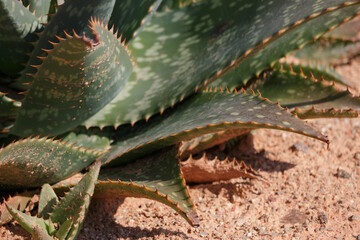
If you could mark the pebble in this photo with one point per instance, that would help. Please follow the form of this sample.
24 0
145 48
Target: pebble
357 156
342 174
354 218
357 237
322 218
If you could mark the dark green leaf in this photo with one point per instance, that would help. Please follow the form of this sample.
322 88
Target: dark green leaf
47 201
16 23
73 15
130 16
156 177
330 51
26 221
75 81
297 90
76 202
204 113
32 162
179 51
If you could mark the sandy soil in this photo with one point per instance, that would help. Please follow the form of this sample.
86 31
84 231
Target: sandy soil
314 193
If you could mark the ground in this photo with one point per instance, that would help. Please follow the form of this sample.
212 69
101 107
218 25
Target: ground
312 193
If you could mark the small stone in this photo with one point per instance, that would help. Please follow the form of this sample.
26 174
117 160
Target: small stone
357 237
204 234
357 156
354 218
342 174
322 218
299 147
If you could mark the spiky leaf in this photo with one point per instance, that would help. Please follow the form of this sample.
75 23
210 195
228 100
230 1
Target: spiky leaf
73 15
206 141
40 234
32 162
203 170
8 106
297 90
156 177
330 51
16 23
76 202
179 51
215 111
40 8
26 221
64 229
47 201
130 16
75 81
93 142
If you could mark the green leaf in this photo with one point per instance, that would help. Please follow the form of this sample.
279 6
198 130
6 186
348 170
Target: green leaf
40 8
8 106
76 202
201 143
75 80
313 70
92 142
26 221
204 113
32 162
180 51
40 234
130 16
64 229
156 177
297 90
307 21
330 51
16 23
73 15
47 201
348 30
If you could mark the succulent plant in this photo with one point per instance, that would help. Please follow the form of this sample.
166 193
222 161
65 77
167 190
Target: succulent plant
125 83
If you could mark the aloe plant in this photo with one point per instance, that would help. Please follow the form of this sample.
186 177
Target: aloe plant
124 83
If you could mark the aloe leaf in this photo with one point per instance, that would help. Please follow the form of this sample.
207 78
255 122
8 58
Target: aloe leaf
349 30
325 113
26 221
317 20
32 162
130 16
19 202
73 15
64 229
311 70
156 177
180 51
75 80
92 142
16 23
330 51
75 203
8 106
297 90
47 201
203 113
40 234
40 8
203 170
174 4
201 143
